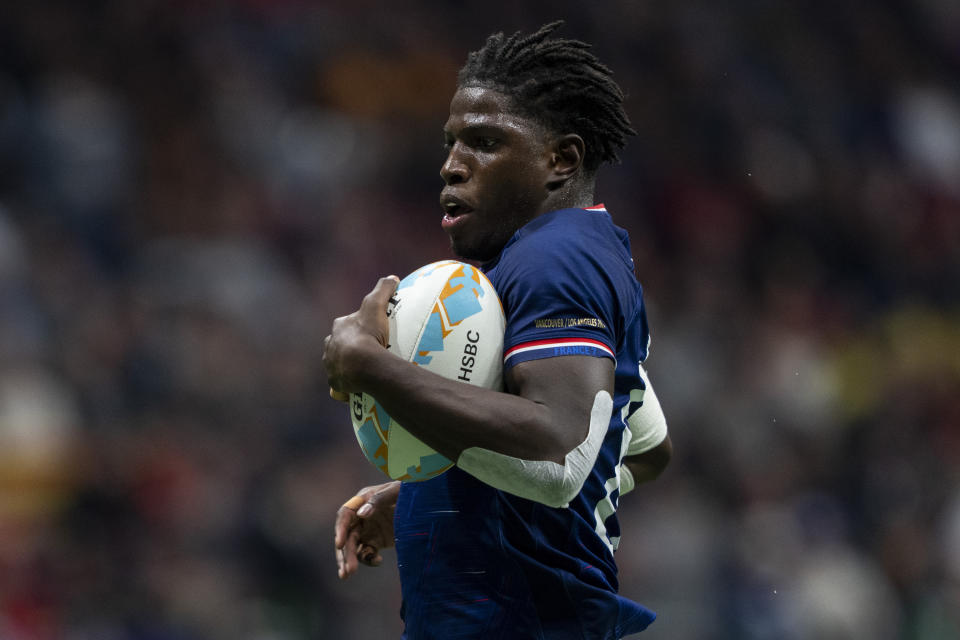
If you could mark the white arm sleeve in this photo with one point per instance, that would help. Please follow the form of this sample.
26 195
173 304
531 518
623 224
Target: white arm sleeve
549 483
648 427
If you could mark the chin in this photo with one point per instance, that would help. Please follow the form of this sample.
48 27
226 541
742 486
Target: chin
463 252
470 252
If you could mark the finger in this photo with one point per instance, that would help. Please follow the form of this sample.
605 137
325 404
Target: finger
365 553
350 561
339 396
369 555
341 559
372 499
354 503
345 567
381 294
346 520
346 555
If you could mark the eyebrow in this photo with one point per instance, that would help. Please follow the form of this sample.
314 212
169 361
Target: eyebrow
479 127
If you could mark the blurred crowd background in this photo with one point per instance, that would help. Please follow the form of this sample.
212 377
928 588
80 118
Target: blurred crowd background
190 192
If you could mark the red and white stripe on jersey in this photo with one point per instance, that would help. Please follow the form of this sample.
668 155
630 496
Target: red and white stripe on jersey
596 207
537 345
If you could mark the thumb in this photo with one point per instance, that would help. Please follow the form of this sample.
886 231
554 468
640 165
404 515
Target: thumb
371 502
381 294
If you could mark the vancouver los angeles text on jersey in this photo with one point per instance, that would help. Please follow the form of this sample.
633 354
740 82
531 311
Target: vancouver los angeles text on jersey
476 562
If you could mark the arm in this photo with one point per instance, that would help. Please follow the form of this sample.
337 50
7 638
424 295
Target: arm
646 466
650 446
543 416
538 440
364 525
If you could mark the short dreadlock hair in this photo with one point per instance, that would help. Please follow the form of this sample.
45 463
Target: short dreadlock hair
557 82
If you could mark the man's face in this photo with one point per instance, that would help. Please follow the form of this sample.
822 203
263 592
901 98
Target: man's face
496 173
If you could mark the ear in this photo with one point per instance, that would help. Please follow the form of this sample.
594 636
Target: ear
566 159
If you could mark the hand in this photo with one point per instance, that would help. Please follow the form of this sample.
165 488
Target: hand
352 335
362 531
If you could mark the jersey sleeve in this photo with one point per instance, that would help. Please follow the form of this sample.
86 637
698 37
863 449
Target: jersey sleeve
562 297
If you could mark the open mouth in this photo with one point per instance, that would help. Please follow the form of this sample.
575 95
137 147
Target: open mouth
453 207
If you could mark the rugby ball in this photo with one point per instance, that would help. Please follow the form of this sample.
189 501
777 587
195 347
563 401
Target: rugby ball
445 317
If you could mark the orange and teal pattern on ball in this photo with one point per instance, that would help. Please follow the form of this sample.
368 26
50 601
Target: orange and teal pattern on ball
429 466
374 434
459 299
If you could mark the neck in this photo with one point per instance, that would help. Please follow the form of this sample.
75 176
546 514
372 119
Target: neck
573 193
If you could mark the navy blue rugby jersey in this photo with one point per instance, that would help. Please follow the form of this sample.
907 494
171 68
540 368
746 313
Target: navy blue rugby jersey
476 562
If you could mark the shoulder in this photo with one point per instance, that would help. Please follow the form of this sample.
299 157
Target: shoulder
571 223
570 262
571 238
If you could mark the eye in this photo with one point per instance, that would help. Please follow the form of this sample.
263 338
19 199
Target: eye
486 143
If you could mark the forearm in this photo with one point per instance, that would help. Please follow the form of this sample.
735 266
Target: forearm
643 470
450 415
646 466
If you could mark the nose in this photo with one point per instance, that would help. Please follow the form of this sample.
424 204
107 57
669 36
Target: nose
454 170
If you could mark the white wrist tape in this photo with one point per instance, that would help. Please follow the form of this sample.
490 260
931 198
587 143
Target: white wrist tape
549 483
648 425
